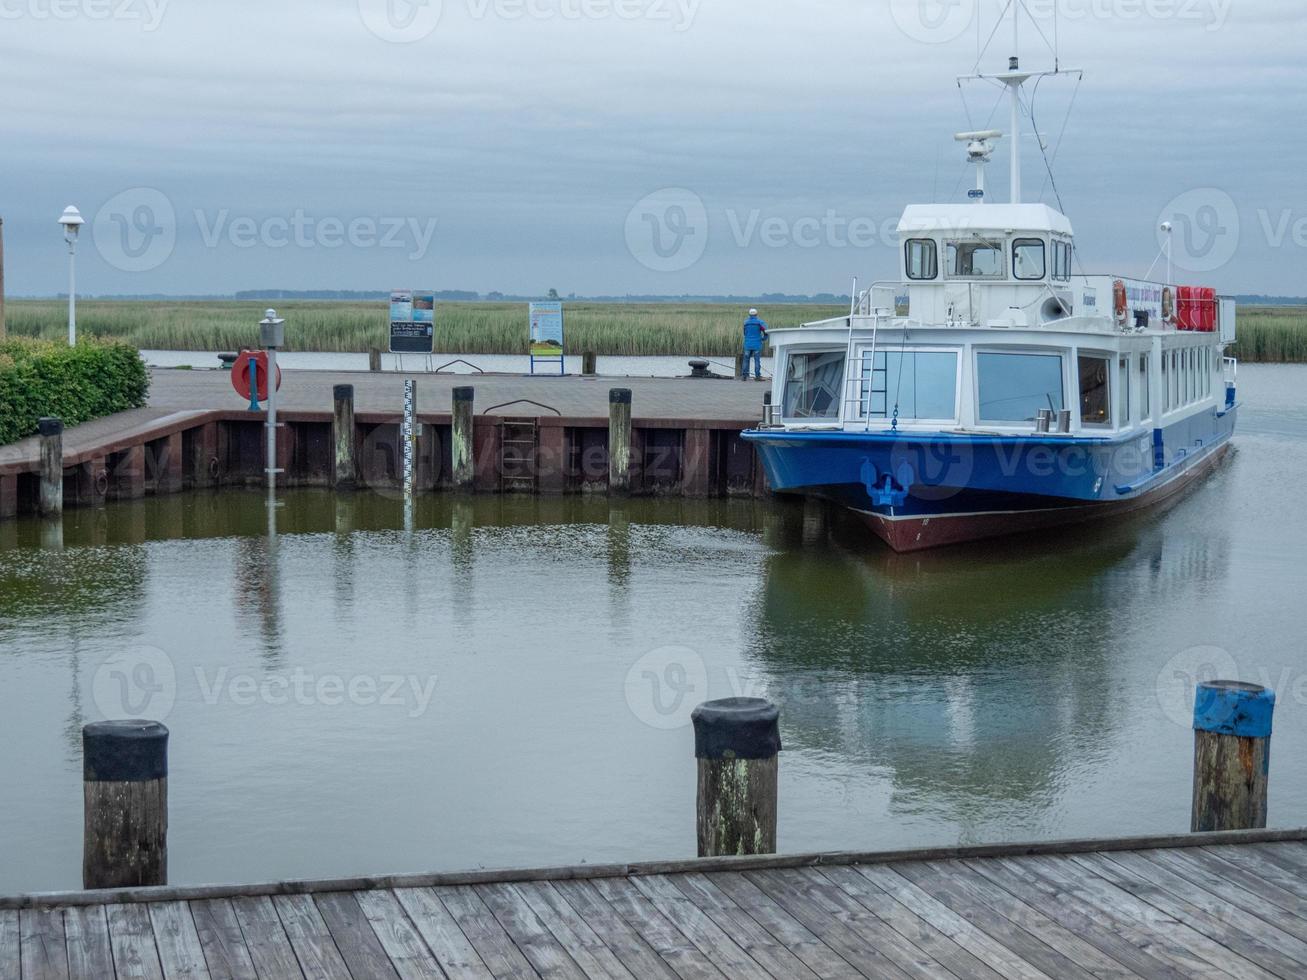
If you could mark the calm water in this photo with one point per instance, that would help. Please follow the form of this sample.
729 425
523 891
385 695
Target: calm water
507 681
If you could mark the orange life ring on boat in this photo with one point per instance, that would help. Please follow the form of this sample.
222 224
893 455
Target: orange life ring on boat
1119 301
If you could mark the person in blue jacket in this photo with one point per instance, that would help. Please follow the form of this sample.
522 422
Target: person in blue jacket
755 335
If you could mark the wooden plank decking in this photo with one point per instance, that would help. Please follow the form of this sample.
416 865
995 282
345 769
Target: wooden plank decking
1208 905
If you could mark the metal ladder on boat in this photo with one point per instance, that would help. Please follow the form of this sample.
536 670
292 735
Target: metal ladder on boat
853 394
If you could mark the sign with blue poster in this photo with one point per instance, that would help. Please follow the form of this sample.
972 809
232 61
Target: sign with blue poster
412 322
546 333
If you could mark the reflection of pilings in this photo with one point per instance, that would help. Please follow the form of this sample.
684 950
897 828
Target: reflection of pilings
342 552
619 544
52 533
462 557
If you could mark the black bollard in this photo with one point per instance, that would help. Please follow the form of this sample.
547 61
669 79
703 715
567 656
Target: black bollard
125 788
736 743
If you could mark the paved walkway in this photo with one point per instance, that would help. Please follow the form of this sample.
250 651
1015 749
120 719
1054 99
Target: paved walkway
662 398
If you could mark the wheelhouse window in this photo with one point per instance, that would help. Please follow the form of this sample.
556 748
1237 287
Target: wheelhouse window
1028 258
975 260
922 258
812 384
1095 390
915 384
1013 387
1061 260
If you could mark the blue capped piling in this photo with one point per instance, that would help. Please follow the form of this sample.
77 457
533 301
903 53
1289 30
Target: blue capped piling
1232 755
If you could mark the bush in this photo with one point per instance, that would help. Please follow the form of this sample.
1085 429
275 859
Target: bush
75 384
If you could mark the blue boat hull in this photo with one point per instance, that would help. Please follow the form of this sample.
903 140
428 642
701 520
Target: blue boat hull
921 490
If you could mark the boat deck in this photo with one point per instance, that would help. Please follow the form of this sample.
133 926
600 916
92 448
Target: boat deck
1193 906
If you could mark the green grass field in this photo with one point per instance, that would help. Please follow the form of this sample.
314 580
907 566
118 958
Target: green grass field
1265 333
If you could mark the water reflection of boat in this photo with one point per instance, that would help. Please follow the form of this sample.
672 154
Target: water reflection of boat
968 682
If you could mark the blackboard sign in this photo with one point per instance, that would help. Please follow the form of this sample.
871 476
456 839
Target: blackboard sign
412 322
407 337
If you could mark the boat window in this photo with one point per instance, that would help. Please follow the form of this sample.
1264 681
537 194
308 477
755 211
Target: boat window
975 260
1028 258
1123 392
1062 260
1145 409
1175 379
1012 387
922 258
918 384
1095 400
812 385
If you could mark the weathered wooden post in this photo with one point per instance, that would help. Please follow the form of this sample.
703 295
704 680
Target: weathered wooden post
619 440
461 438
736 741
1232 752
125 786
740 368
342 427
51 499
588 363
374 358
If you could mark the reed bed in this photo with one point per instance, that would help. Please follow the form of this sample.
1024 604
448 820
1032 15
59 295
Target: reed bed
1276 334
472 328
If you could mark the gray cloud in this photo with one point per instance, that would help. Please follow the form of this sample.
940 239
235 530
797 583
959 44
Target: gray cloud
528 137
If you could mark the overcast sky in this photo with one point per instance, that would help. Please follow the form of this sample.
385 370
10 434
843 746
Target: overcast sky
615 146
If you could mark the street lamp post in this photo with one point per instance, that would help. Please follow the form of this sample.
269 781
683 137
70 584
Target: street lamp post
72 221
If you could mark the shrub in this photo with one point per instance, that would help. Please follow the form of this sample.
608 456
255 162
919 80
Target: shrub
75 384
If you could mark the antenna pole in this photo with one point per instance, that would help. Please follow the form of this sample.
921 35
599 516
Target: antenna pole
1015 88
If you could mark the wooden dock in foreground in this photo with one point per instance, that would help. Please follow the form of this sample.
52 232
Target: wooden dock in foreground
1197 905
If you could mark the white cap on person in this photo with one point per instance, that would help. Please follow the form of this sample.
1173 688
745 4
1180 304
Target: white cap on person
753 313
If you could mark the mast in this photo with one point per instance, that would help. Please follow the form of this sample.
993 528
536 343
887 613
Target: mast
1014 78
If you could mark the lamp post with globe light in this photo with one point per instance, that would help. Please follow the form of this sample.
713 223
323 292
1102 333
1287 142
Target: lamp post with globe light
72 221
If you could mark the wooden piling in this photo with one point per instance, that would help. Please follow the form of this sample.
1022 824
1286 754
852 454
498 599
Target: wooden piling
342 430
461 438
125 788
588 361
374 358
736 743
51 498
1232 745
619 440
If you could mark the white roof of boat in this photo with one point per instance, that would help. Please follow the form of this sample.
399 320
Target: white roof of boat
982 217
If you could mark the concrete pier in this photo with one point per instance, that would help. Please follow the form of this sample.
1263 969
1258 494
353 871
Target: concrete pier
683 438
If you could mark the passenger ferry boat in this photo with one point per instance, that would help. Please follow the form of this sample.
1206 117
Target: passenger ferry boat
992 390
